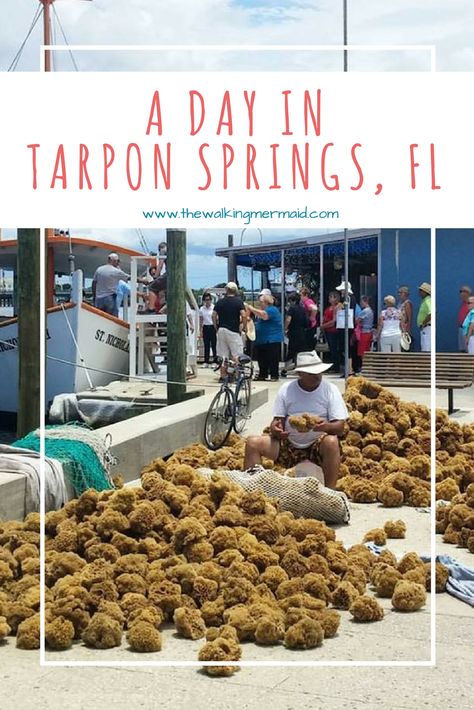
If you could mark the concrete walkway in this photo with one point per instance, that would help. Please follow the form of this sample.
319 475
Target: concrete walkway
399 637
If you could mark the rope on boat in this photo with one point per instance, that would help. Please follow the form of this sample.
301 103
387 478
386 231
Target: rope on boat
74 63
17 56
141 378
76 345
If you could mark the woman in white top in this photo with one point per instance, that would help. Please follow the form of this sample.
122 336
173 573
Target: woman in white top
389 329
208 331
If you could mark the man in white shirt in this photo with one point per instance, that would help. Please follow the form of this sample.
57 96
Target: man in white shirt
309 394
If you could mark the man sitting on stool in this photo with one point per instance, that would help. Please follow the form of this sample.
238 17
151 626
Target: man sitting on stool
309 394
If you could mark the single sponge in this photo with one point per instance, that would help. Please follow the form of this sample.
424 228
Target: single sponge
304 422
189 623
144 637
59 633
395 528
306 633
366 608
408 596
221 649
442 576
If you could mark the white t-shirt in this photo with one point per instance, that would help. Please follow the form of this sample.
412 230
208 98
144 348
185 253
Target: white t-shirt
206 314
325 401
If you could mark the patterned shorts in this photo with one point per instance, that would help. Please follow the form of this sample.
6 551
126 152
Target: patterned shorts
289 455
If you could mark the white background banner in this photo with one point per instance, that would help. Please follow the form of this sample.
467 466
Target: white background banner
296 149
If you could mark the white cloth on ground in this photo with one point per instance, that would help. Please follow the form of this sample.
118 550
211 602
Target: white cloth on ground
25 462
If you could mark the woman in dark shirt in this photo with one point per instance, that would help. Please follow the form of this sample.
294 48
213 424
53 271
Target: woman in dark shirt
296 326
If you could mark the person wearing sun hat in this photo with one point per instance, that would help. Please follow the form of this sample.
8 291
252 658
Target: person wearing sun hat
423 318
309 394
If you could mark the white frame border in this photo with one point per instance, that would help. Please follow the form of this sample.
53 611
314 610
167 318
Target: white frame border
243 664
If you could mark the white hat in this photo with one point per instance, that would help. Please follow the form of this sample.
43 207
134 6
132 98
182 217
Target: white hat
342 287
232 286
311 363
265 292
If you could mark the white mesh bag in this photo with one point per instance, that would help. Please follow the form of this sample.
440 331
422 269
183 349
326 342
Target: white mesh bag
304 497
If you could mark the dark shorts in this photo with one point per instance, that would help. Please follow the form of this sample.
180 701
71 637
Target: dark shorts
289 455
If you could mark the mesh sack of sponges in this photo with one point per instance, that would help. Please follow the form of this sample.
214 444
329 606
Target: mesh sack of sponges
304 497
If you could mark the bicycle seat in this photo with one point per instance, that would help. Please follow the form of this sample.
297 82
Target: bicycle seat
244 359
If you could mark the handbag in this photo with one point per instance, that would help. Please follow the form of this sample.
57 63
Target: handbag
405 341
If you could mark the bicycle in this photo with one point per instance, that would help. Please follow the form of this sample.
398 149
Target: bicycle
229 409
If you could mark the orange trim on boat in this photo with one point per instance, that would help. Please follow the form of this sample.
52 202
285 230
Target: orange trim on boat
62 306
83 241
9 321
53 309
93 309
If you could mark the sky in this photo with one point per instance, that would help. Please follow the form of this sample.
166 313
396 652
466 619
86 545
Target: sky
449 25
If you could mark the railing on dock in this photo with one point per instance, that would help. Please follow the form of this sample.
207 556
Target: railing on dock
148 331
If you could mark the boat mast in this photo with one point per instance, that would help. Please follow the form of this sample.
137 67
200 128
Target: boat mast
47 32
48 231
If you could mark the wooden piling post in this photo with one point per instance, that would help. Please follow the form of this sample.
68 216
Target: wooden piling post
176 310
28 304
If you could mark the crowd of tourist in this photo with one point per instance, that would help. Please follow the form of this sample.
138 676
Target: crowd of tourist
303 326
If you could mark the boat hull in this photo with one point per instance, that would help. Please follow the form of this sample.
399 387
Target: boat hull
78 337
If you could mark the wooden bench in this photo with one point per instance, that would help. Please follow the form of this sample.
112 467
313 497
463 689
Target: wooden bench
453 371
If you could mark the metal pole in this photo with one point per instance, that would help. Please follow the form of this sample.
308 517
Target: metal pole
231 260
344 22
282 305
28 270
176 310
346 305
47 33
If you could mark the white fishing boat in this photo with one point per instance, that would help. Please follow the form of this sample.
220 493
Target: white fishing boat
86 348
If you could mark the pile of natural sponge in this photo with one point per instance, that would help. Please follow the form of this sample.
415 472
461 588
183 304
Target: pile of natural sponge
455 521
386 450
216 561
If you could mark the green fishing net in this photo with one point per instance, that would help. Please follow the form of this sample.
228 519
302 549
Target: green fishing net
79 450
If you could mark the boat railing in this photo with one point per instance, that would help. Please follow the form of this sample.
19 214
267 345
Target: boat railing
148 330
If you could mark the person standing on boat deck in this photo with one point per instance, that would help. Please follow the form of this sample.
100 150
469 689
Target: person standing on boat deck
105 283
423 319
465 294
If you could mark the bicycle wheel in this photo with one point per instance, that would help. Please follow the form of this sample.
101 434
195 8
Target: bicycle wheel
219 419
242 405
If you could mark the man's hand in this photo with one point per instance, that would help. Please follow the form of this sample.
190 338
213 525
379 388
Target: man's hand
277 430
321 427
335 427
